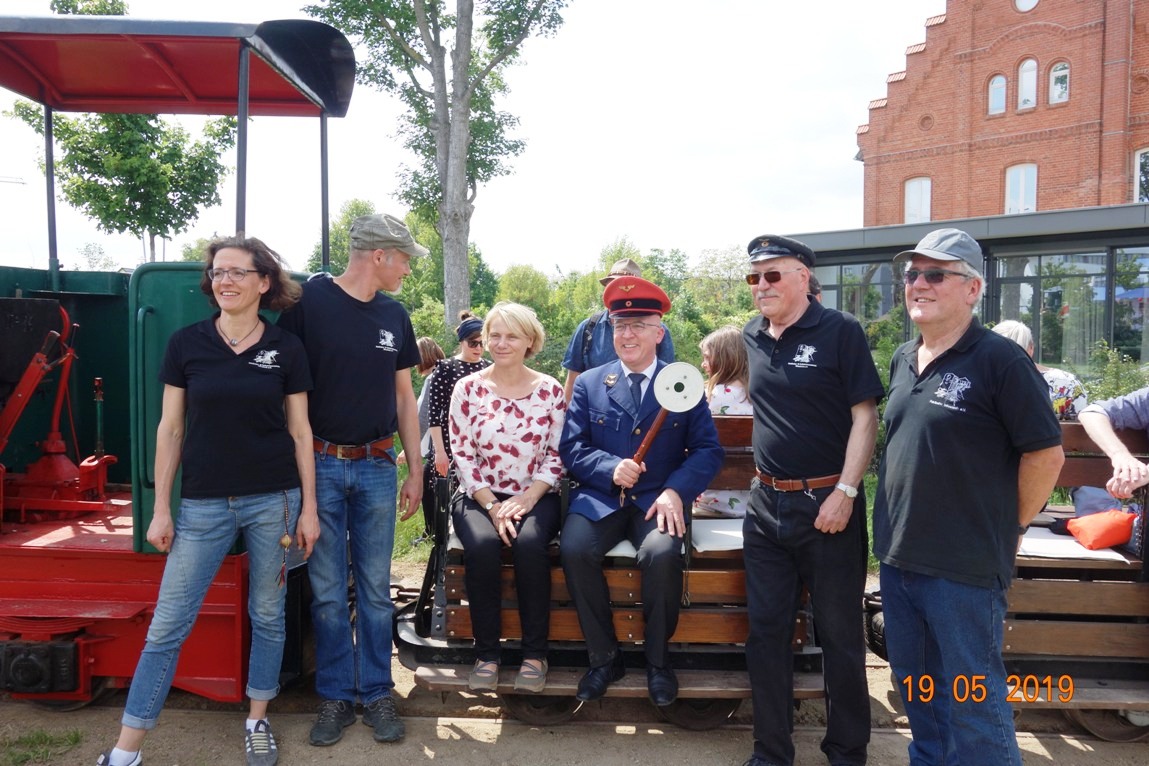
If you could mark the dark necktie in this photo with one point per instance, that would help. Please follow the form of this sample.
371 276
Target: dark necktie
636 379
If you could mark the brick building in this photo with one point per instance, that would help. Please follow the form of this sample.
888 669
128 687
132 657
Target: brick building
1013 106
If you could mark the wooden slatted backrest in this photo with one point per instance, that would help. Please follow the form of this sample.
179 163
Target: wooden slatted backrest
734 434
1085 464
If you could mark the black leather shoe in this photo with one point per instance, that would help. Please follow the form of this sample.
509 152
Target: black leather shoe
662 685
594 682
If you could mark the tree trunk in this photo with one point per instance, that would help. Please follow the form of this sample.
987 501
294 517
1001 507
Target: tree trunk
455 211
152 246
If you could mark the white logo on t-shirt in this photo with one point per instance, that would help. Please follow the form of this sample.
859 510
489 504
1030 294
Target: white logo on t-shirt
952 390
266 359
804 357
386 339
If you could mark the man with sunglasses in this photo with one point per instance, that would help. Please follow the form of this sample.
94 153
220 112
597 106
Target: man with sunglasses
618 499
973 450
814 389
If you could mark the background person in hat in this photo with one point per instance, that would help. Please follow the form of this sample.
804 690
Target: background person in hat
361 346
618 499
972 452
814 389
593 343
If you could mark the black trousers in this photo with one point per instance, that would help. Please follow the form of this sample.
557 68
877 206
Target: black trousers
782 551
482 554
584 545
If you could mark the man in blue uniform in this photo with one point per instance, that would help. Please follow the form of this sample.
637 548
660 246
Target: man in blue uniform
618 499
814 389
972 452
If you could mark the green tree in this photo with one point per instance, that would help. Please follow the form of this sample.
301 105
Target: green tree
340 232
446 68
133 172
93 258
526 285
193 252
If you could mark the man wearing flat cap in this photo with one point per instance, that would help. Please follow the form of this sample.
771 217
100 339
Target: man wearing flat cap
814 390
592 344
973 450
617 499
360 345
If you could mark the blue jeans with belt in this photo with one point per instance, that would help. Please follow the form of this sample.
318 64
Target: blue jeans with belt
944 636
356 500
205 530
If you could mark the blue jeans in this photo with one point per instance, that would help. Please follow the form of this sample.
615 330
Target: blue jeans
949 634
356 501
205 531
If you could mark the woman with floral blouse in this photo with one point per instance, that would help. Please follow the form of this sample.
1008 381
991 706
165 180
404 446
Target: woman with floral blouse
505 423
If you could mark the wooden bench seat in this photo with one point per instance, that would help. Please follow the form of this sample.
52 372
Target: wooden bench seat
1082 618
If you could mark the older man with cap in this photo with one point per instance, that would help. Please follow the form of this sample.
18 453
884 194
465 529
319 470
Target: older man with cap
972 453
592 344
814 389
360 345
617 499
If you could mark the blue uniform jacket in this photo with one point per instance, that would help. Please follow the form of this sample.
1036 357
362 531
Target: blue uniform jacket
602 429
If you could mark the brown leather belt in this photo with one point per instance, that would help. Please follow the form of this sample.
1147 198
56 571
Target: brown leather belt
798 485
377 448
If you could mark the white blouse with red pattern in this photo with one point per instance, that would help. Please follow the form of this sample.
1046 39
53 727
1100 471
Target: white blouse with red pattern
506 444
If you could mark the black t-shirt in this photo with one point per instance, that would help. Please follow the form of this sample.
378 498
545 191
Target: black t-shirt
354 349
947 499
802 387
237 442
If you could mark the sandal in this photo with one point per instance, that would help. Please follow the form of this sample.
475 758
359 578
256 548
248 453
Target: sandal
531 678
484 676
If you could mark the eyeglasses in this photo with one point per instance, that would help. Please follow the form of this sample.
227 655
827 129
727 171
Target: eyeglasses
933 276
771 277
475 343
621 325
237 274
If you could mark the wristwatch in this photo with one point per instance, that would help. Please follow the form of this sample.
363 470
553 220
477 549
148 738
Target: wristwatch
847 490
490 505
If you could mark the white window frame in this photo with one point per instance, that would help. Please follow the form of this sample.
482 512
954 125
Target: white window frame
1059 92
1027 84
1141 157
995 94
1021 188
916 199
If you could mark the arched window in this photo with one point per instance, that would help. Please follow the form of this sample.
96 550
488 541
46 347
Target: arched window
1141 176
1021 188
917 200
995 96
1027 84
1025 5
1059 83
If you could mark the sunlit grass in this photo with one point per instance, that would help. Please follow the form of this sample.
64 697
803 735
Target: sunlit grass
37 747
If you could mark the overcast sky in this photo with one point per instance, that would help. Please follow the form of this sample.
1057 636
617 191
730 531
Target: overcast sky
643 119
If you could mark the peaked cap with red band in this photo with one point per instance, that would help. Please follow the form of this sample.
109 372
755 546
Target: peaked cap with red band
634 296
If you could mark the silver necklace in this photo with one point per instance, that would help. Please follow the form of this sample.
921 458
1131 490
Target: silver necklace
233 342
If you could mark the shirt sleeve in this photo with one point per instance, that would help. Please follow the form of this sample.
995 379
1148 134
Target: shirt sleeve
666 345
573 360
463 448
440 394
172 368
550 469
1128 411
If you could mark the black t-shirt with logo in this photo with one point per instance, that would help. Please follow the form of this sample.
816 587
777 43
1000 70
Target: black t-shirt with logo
947 499
354 348
236 442
802 387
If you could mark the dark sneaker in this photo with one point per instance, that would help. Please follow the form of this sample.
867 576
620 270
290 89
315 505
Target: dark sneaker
334 716
382 716
106 758
260 746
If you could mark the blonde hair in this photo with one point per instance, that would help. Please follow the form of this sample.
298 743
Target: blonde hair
728 361
1015 331
520 319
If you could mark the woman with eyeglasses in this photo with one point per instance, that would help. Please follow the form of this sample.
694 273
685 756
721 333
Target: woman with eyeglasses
235 417
468 358
505 424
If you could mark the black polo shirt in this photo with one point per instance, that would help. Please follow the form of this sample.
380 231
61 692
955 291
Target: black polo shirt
802 387
237 442
947 494
355 348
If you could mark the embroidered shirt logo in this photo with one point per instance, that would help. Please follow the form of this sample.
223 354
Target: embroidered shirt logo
266 359
952 390
805 354
386 340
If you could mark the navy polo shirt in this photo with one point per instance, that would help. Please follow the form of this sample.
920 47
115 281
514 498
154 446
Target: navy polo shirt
802 387
355 348
947 503
236 442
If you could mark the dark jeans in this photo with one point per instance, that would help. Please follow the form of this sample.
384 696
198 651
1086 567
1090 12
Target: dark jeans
585 543
482 554
782 551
